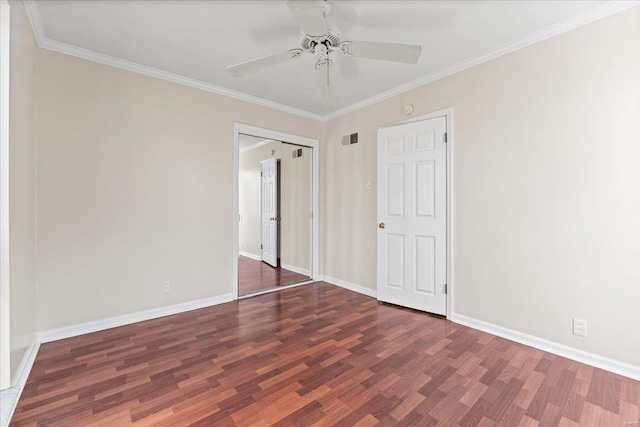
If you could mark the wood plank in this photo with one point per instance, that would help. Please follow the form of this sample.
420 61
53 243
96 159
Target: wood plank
313 355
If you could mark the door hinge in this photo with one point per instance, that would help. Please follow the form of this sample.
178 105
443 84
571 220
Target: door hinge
446 137
260 246
446 288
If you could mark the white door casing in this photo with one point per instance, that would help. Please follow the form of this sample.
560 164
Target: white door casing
5 330
314 144
269 210
412 208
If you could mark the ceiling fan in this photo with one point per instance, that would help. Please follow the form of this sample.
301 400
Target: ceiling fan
321 38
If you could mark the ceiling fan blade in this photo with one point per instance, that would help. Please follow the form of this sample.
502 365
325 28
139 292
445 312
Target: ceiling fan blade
408 53
264 62
309 15
325 81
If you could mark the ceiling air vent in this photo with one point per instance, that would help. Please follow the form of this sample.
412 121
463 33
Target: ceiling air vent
350 139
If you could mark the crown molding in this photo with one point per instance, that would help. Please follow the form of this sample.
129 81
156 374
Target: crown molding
599 12
46 43
34 18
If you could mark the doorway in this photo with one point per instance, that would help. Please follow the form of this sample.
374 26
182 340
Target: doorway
413 213
276 202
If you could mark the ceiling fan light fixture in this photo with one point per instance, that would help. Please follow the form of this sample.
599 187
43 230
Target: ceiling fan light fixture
320 37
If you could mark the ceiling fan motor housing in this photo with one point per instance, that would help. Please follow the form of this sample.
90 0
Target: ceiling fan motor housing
320 37
331 40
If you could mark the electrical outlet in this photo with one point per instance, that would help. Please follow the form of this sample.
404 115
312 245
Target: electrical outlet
165 288
369 185
579 327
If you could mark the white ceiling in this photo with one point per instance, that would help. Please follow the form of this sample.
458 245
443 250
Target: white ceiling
193 41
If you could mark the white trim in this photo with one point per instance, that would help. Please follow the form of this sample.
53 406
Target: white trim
252 256
175 78
5 319
22 374
34 18
99 325
581 356
351 286
90 55
599 12
8 400
239 128
259 144
451 137
447 113
127 319
295 269
607 9
277 289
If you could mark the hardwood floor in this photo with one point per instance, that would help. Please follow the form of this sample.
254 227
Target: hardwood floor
256 276
314 355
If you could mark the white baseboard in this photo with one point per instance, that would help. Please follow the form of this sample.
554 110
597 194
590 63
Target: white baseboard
8 402
11 396
126 319
248 255
581 356
295 269
22 374
350 286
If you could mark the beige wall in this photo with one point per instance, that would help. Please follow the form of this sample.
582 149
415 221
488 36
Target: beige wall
22 181
134 188
295 207
546 185
249 226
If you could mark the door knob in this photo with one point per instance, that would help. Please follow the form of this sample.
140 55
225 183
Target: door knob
381 225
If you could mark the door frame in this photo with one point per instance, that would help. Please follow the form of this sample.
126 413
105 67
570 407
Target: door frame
447 113
5 306
314 144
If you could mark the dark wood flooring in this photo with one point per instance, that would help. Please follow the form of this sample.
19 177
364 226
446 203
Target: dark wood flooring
314 355
257 276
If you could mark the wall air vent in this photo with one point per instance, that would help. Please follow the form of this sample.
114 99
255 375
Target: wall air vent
350 139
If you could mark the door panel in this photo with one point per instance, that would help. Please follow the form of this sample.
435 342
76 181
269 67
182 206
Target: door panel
395 192
269 215
412 205
395 260
425 189
424 261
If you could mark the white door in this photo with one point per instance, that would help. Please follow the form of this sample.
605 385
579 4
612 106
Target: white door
269 215
412 229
